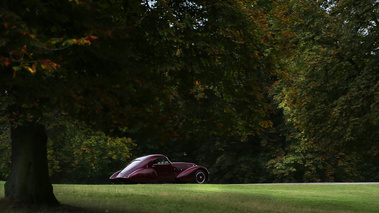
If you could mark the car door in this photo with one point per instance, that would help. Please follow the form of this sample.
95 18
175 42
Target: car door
164 169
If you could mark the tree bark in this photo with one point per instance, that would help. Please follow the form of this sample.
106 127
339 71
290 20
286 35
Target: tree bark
28 182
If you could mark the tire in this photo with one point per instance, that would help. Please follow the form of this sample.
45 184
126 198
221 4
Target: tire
200 177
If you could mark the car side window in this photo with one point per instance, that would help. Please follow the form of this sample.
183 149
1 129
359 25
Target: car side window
160 161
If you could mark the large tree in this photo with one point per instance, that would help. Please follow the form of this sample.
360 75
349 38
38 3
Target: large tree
329 92
131 64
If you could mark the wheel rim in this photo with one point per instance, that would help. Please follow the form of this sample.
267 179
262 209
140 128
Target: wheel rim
200 177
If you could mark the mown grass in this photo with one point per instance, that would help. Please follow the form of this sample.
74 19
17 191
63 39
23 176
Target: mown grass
217 198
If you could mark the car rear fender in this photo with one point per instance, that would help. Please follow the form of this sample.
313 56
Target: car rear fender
143 175
188 175
114 175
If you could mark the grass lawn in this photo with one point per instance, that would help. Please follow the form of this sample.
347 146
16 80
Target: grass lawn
217 198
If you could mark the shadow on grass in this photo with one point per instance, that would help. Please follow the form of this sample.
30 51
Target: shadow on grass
7 205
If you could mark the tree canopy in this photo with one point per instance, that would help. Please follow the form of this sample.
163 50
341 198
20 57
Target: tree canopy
128 66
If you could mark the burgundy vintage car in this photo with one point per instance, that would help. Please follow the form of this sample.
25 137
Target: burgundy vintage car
158 168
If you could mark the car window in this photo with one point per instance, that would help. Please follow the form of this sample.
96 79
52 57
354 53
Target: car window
160 161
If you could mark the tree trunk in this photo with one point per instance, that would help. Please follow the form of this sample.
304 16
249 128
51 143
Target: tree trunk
28 182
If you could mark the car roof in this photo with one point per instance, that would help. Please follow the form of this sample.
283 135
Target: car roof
148 157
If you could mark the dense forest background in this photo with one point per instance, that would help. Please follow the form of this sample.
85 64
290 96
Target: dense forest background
256 91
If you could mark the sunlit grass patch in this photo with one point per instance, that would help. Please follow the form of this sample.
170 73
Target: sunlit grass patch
219 198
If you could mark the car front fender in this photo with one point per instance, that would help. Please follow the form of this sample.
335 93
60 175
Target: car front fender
188 175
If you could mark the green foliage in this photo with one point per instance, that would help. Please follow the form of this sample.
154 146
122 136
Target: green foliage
331 118
193 78
78 154
332 93
161 70
154 60
329 92
309 163
245 166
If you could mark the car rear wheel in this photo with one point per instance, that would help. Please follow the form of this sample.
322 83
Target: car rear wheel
200 176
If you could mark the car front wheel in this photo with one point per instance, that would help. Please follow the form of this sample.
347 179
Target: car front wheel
200 176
